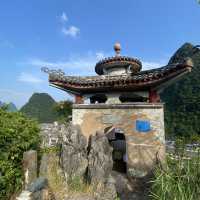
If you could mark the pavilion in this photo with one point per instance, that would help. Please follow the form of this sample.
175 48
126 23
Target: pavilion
124 103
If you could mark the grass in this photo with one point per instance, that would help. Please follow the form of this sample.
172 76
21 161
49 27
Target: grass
76 184
179 180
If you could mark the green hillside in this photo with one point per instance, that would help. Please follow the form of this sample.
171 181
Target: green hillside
182 116
41 107
10 107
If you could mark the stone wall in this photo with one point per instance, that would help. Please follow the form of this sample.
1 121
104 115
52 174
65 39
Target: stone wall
49 134
142 123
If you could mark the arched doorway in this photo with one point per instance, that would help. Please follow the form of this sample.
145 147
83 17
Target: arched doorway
117 140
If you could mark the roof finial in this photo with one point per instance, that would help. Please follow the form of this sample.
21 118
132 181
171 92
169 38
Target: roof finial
117 48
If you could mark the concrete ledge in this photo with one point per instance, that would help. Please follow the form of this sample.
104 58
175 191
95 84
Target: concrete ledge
118 106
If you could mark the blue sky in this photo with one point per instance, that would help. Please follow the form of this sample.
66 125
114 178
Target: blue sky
73 35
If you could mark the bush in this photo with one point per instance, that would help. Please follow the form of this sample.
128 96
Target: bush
180 179
195 138
63 110
17 134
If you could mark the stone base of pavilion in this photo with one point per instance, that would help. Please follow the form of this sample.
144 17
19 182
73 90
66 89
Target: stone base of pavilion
142 125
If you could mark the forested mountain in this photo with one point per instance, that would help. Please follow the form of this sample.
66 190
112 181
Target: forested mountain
41 107
11 107
182 116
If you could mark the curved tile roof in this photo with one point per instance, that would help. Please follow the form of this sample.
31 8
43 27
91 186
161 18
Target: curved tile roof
117 61
143 80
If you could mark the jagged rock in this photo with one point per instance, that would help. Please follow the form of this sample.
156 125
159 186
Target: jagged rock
38 190
39 184
109 192
80 197
73 152
100 161
110 184
131 189
75 159
29 167
50 168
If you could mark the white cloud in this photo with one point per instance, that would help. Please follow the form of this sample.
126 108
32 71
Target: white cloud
63 17
78 66
100 55
84 64
72 31
18 98
13 92
151 65
74 65
29 78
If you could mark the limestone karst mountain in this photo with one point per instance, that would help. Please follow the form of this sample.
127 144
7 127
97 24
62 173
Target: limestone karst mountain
11 107
182 114
41 107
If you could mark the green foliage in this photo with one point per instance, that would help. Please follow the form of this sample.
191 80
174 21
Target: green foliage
180 180
53 149
17 134
195 138
40 107
182 116
64 110
10 107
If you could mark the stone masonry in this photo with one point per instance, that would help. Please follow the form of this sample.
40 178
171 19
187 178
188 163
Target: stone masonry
144 148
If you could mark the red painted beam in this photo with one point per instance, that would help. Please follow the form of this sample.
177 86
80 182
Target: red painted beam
79 99
154 97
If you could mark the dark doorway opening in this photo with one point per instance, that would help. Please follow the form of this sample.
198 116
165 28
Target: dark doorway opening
117 140
126 98
98 98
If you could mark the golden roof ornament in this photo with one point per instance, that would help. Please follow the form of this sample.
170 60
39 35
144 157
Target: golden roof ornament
117 48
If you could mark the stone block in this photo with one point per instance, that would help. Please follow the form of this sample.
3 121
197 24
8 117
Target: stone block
29 167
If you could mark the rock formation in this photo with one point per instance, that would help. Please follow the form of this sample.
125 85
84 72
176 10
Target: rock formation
72 168
100 161
69 162
73 152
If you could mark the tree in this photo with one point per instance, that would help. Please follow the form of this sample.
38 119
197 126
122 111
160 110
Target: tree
182 114
17 134
64 110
